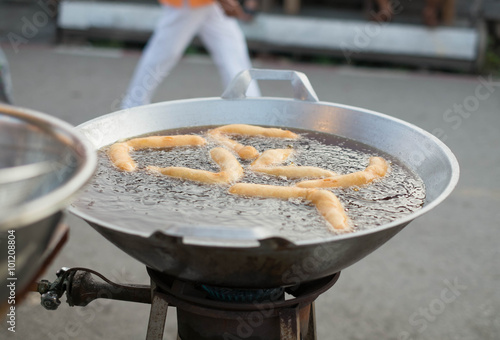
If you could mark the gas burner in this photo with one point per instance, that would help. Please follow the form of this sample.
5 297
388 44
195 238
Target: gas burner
243 295
227 313
204 312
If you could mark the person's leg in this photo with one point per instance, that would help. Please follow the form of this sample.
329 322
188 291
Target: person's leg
5 80
448 12
226 43
430 13
384 10
175 29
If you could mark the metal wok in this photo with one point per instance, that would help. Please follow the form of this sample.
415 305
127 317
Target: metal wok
254 257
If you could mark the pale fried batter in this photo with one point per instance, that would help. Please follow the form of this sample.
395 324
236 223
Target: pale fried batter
269 158
293 172
377 168
328 205
271 191
246 152
231 170
156 142
253 130
119 153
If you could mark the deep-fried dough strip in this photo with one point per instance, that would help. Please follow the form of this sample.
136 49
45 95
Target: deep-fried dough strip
155 142
246 152
231 169
271 191
229 165
253 130
331 209
377 168
195 175
271 157
119 154
292 171
327 204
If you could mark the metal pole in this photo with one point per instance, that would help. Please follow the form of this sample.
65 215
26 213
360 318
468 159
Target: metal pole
158 314
289 324
311 333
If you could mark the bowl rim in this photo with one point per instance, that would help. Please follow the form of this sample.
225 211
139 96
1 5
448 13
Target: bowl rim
57 199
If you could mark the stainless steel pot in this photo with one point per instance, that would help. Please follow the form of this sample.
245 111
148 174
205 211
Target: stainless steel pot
254 257
43 163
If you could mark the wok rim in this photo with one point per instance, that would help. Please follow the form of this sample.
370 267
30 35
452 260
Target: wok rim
452 182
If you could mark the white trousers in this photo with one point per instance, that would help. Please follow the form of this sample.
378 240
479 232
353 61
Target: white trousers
219 33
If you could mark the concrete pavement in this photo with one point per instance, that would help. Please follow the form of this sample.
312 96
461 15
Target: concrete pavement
437 279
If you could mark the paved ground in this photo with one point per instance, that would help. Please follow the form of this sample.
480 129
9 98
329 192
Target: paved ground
437 279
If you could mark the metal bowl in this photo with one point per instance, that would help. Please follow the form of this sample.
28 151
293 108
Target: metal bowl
43 163
253 257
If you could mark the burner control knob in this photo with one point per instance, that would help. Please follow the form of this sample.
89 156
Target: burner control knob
50 300
43 286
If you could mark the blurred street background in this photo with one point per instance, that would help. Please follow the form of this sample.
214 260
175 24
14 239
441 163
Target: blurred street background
74 60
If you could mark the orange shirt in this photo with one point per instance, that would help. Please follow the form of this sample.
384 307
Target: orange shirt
191 3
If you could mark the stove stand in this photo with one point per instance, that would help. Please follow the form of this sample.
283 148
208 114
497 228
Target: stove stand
203 312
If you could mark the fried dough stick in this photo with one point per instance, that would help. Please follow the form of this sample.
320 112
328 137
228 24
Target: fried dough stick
231 170
327 204
377 168
268 191
271 157
158 142
266 161
330 207
246 152
293 172
254 130
119 153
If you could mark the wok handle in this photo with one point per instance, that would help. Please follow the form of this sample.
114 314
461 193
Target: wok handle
302 89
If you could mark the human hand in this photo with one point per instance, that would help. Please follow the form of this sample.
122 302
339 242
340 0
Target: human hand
232 8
